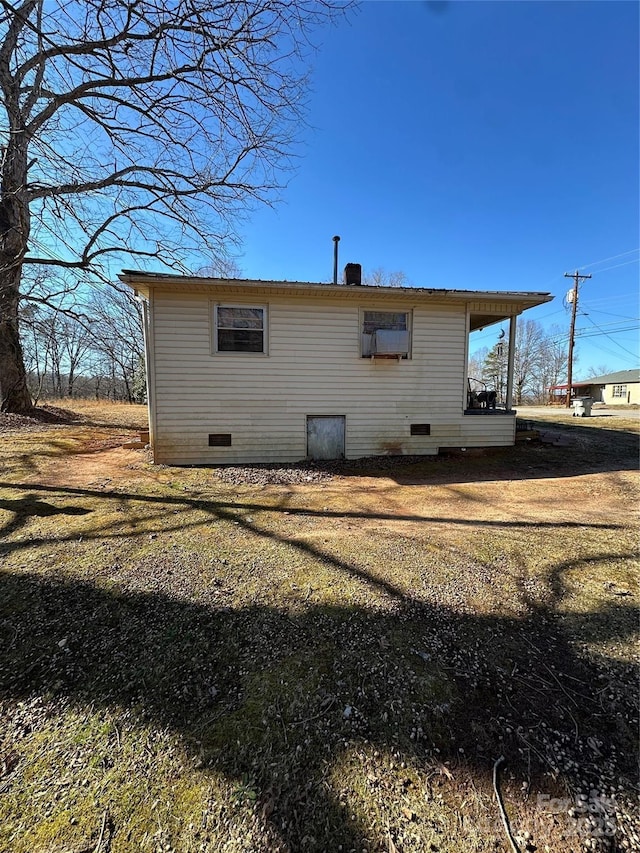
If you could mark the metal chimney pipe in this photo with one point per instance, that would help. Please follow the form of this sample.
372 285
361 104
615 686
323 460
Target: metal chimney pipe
336 240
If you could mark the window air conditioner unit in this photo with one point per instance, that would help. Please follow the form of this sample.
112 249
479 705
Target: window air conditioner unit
390 342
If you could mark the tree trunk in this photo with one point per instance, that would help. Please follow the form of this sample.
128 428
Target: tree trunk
14 236
14 392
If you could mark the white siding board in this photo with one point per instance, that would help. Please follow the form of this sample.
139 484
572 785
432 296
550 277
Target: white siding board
313 368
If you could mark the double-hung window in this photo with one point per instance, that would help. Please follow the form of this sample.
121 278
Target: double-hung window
240 328
619 391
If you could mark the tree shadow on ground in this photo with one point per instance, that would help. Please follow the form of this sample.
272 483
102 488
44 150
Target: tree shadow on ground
234 511
275 698
29 506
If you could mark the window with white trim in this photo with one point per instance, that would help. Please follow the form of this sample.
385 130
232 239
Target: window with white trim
240 328
385 333
619 391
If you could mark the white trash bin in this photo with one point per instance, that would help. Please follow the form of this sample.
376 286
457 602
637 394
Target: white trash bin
582 407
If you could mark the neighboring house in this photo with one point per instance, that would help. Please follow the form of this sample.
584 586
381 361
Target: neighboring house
614 389
274 371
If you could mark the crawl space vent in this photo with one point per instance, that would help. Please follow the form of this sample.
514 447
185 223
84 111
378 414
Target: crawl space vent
420 429
220 439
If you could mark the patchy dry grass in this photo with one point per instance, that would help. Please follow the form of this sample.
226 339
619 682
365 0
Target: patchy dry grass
627 421
104 413
192 664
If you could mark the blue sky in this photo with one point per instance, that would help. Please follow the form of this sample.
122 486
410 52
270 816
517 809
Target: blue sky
479 145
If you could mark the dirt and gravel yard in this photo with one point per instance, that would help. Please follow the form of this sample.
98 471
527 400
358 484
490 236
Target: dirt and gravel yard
317 658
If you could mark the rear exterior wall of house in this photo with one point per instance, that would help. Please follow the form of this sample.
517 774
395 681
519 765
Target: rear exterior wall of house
239 407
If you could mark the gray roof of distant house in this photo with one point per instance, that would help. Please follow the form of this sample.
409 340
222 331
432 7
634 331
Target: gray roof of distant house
620 377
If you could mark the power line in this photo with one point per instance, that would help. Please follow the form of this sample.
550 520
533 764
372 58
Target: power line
592 302
615 266
607 335
625 324
612 258
596 263
621 297
610 314
625 320
581 334
608 351
589 333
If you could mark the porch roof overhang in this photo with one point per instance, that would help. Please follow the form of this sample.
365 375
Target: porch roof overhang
479 321
485 306
565 385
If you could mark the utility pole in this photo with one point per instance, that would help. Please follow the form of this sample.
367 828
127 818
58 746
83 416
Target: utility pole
572 331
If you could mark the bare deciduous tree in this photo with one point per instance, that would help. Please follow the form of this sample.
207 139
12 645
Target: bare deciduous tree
74 347
540 360
379 277
599 370
221 268
117 342
476 367
553 363
137 126
527 363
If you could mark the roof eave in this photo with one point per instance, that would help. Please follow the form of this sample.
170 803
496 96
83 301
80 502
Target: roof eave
144 282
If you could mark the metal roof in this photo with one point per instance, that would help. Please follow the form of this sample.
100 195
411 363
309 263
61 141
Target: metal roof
151 279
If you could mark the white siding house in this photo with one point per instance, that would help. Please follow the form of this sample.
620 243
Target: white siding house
258 371
613 389
619 389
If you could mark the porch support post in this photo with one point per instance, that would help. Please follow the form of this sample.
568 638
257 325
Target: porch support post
511 361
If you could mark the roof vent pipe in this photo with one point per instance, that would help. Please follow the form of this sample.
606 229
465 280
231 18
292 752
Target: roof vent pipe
336 240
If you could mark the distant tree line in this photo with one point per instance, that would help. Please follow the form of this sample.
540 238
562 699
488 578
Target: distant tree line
82 342
540 361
